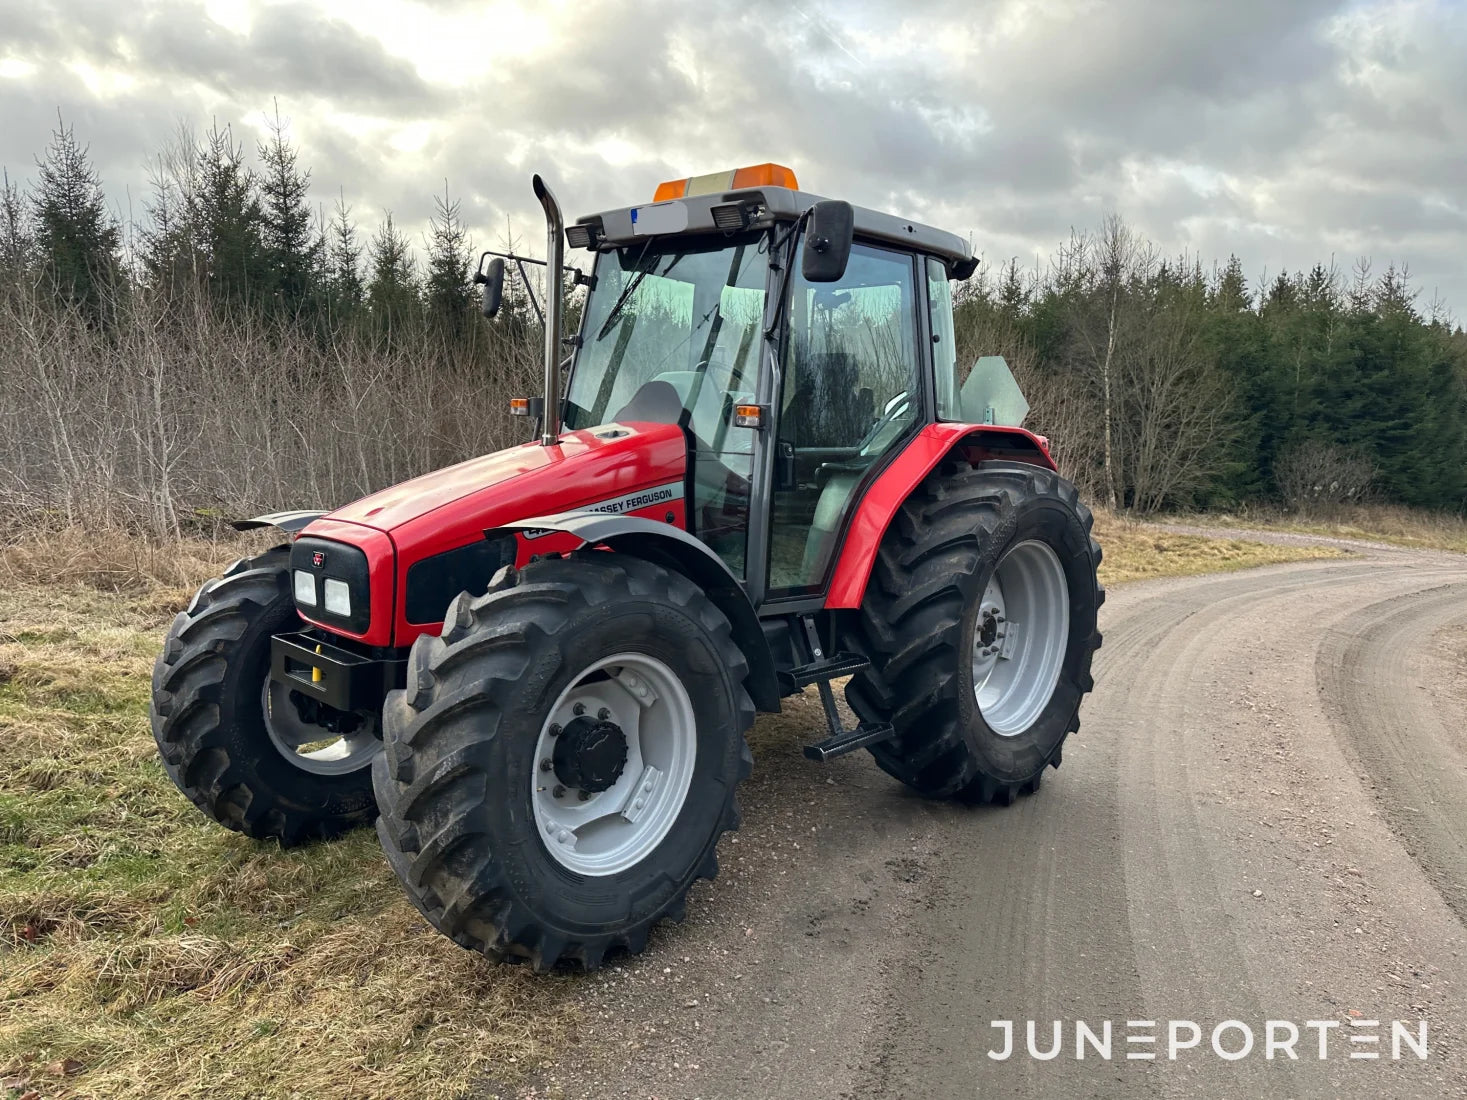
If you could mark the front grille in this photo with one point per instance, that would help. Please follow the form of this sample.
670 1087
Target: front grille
339 561
433 582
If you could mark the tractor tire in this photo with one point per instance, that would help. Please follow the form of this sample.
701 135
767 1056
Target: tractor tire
980 624
518 760
229 739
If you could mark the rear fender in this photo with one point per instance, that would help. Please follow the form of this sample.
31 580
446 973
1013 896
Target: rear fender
673 548
975 442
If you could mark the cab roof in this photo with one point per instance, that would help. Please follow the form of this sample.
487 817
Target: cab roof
758 208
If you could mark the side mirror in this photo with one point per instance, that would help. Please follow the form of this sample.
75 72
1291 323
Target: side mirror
492 280
827 241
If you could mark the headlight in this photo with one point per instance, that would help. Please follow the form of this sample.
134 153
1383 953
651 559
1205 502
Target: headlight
305 588
338 598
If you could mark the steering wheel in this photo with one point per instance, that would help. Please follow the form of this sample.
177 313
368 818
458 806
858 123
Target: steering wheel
894 409
864 450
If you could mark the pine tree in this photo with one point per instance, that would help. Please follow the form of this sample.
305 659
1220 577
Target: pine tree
392 292
448 295
76 239
228 222
1238 341
1013 292
1231 294
291 249
343 263
1283 294
1393 294
167 251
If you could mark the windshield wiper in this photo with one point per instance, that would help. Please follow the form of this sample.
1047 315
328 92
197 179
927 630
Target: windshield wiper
627 292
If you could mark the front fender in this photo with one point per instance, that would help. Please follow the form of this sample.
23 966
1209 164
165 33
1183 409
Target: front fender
291 523
673 548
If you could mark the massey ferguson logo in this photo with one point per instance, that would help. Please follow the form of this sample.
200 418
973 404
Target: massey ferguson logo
318 558
656 496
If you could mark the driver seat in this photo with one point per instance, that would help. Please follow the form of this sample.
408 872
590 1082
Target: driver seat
841 479
825 525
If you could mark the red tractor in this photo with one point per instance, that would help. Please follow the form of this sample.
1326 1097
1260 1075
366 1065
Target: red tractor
536 668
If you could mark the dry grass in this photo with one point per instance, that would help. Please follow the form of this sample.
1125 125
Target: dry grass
1140 551
145 952
1378 522
117 561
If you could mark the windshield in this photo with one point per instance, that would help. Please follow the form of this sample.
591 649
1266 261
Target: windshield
672 311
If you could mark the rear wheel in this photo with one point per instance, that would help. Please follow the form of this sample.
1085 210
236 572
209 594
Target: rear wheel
980 623
563 761
237 743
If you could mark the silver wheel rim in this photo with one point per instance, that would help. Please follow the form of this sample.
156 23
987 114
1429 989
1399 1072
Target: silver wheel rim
1020 639
308 746
608 831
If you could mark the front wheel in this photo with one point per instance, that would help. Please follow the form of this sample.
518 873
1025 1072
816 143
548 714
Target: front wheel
563 761
980 625
235 741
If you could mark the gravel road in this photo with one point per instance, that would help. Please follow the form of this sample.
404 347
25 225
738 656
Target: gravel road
1263 818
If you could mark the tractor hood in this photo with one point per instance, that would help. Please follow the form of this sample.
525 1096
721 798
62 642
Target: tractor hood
586 467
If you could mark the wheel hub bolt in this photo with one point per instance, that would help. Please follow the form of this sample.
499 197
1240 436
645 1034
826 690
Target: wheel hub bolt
579 708
584 796
546 765
603 714
554 729
558 792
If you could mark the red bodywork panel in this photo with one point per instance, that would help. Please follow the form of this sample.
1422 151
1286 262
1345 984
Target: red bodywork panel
895 484
455 506
381 576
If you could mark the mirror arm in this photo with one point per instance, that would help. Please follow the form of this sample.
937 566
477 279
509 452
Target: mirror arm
569 269
578 277
784 270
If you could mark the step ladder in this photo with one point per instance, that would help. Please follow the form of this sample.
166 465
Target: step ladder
820 671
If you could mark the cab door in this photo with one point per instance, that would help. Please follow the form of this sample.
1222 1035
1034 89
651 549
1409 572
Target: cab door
848 395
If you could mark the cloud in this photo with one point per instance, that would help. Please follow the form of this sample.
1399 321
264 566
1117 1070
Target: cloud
1283 132
288 52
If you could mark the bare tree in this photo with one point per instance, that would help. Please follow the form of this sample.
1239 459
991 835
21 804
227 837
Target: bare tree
139 425
1318 478
1097 275
1175 404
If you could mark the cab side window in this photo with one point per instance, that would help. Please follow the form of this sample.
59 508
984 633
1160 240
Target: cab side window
944 341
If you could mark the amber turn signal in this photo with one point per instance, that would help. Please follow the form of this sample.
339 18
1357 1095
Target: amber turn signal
748 416
734 179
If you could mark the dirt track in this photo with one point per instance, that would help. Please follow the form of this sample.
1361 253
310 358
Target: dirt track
1296 731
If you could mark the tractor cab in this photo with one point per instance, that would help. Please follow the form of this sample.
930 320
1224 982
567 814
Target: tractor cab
798 341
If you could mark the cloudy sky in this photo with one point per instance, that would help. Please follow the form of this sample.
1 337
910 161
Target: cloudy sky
1286 131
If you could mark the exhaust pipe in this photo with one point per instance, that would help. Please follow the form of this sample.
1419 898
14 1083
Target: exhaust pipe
554 305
